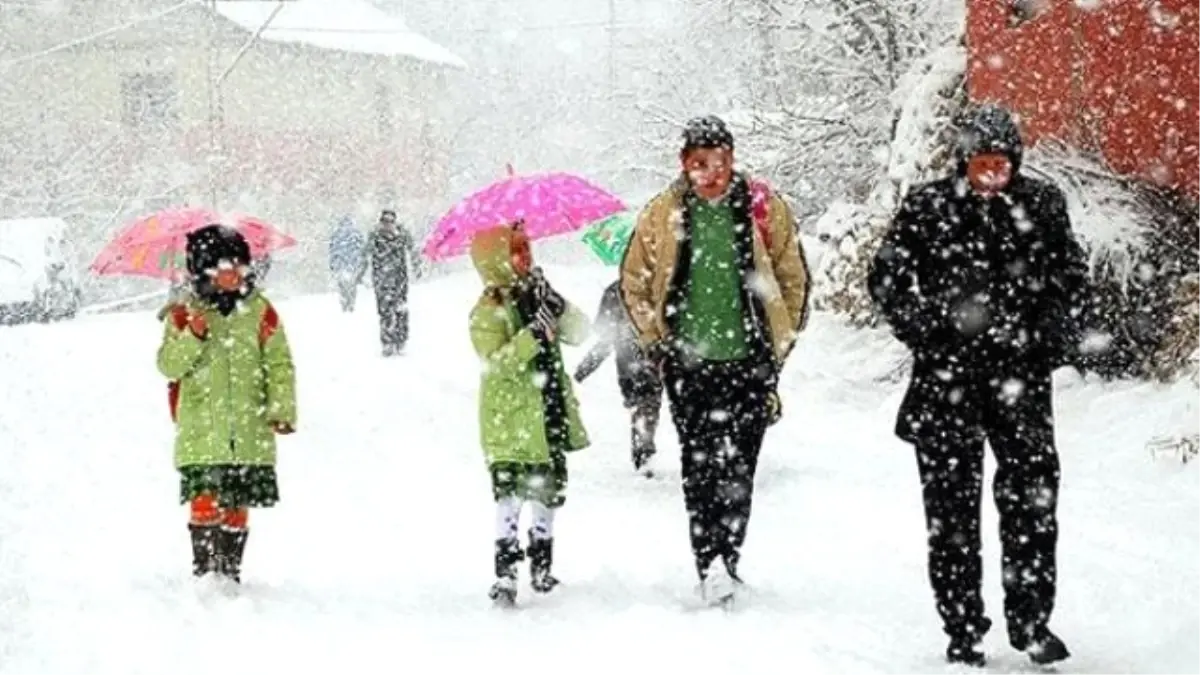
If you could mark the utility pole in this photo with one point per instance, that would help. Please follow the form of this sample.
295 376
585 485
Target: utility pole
612 48
612 56
214 77
213 90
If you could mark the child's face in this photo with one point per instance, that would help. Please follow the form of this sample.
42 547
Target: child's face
522 255
227 276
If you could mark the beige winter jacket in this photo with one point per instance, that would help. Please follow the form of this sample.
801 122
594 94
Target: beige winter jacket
782 281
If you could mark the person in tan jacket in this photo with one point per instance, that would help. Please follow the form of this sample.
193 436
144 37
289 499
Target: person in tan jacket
716 285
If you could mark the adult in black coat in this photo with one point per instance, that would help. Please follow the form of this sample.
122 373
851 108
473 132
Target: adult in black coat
641 386
981 277
389 252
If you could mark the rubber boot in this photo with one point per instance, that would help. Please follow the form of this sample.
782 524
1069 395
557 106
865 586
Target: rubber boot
231 545
541 558
1042 646
964 644
508 554
204 548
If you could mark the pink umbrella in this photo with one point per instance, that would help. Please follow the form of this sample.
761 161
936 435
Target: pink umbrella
154 245
550 204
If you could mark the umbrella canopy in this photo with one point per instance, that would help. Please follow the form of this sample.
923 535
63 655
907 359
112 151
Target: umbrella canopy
154 245
550 204
609 237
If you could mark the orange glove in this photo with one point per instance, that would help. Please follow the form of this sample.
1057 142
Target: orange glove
198 324
282 428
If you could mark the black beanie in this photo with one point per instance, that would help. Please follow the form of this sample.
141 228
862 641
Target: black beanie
706 132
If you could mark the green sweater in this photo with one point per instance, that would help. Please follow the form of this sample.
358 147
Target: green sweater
712 321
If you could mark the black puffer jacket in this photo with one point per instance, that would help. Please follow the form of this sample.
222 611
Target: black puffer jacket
964 279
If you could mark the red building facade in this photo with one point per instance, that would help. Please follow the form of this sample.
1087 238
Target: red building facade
1116 77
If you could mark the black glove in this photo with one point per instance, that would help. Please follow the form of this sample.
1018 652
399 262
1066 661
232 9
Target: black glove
545 295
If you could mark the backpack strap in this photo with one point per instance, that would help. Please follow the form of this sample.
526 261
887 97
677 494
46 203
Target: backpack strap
760 202
267 325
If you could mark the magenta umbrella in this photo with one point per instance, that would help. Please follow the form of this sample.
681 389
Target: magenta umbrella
550 204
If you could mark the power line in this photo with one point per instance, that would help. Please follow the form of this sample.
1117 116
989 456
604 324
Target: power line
96 36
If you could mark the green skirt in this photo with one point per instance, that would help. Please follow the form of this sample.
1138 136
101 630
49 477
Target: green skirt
233 486
542 483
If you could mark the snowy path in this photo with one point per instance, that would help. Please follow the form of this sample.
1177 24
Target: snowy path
380 554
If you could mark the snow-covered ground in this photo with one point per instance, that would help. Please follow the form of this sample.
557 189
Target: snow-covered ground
379 557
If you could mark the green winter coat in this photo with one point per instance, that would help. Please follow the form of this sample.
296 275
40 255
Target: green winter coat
233 384
512 422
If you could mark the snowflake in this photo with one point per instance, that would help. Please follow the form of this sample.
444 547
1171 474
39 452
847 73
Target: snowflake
1012 390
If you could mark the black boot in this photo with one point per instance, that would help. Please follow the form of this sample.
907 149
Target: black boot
965 651
204 548
541 558
508 554
231 546
964 645
1042 646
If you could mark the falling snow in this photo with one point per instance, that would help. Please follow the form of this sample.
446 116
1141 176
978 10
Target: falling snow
315 112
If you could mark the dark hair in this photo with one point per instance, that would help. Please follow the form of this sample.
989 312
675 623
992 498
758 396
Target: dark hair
708 131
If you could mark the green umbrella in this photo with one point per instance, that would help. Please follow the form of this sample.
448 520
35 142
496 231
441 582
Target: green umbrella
608 237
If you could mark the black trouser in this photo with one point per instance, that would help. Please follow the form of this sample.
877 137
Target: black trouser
392 305
644 415
720 412
1015 416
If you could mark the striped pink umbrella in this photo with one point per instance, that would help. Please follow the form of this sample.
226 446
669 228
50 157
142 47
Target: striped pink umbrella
154 245
549 203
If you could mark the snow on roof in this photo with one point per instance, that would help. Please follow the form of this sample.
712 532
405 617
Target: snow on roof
342 25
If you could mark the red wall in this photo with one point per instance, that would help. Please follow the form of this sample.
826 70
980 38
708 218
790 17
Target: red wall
1121 77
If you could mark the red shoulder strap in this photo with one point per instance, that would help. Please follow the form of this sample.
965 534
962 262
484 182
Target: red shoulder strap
760 203
267 325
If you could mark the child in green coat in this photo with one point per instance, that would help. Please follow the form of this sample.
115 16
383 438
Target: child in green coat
528 414
232 389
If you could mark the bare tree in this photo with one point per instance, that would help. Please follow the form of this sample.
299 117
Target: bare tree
822 128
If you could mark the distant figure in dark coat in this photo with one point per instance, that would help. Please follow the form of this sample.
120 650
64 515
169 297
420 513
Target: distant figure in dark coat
346 245
637 377
981 277
389 252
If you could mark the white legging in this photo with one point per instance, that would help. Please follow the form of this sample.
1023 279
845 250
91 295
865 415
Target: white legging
508 517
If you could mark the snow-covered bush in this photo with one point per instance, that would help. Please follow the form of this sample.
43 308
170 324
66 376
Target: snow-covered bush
925 103
1141 242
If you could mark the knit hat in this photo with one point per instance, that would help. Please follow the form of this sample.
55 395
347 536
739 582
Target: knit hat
990 128
706 132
